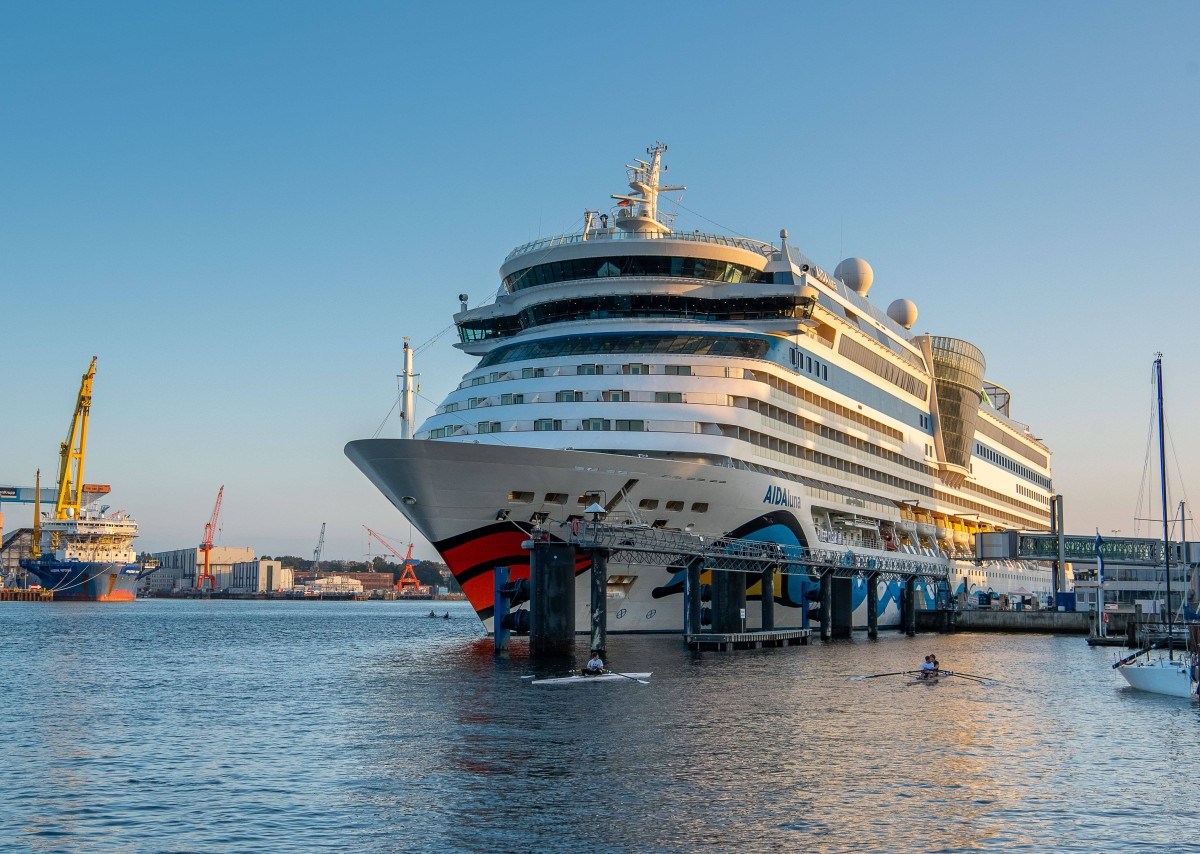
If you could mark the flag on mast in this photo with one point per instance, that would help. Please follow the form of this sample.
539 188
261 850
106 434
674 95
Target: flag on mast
1099 558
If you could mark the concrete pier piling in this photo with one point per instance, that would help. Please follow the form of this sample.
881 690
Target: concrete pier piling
908 620
599 601
729 601
826 606
873 605
768 598
500 608
552 598
691 597
842 618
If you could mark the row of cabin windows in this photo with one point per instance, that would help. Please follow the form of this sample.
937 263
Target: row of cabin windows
627 425
785 416
560 498
565 396
1013 466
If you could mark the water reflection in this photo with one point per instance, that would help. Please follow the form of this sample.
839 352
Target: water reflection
368 726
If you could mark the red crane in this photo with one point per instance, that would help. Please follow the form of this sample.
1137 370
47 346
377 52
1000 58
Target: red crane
207 545
408 578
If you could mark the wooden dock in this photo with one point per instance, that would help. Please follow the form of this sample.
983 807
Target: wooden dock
19 594
723 641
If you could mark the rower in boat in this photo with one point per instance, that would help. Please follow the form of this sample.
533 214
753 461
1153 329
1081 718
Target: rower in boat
929 670
594 666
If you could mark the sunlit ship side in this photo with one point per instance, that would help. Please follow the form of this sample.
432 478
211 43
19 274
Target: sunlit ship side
716 384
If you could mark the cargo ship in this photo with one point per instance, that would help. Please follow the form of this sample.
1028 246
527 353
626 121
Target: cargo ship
711 383
81 552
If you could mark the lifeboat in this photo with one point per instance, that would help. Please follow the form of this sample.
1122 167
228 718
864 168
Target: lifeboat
907 523
962 538
925 526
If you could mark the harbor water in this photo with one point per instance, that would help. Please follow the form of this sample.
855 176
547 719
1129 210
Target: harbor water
223 726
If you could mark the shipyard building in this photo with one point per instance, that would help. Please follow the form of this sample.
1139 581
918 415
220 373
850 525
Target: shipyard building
179 569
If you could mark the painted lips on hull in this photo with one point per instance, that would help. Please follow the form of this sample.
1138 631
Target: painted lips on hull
472 558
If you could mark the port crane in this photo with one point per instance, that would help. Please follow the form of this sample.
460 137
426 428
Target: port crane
206 546
408 579
317 552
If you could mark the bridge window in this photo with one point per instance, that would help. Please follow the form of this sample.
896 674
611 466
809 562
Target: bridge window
668 397
547 424
632 426
595 424
745 347
572 269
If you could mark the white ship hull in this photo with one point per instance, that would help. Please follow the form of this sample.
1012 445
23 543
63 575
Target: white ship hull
476 503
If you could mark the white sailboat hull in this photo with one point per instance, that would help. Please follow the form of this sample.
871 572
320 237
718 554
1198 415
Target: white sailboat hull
1159 676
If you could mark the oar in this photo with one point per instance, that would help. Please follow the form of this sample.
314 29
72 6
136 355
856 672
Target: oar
968 675
634 678
877 675
983 680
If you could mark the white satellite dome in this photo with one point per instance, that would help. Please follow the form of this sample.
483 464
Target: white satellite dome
904 312
857 274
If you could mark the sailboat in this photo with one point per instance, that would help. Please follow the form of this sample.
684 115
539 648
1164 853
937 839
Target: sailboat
1170 675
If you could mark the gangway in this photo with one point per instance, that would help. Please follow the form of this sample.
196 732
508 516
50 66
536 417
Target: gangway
636 544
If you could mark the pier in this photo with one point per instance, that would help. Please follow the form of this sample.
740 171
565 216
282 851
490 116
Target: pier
984 620
733 564
21 594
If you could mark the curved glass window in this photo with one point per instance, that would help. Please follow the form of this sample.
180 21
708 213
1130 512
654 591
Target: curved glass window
631 305
570 269
586 345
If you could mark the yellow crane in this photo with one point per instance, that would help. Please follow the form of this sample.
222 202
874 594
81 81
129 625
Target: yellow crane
70 464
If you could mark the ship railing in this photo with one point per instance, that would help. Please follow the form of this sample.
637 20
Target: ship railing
764 249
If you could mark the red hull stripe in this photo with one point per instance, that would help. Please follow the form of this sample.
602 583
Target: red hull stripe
472 559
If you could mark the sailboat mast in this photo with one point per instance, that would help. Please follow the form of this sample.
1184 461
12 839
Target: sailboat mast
1162 472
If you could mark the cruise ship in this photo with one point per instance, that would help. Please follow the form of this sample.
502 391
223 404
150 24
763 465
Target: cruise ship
711 383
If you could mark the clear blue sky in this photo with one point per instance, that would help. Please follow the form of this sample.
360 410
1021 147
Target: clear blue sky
241 208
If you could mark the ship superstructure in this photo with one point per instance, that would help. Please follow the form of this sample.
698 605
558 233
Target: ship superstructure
82 552
719 384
